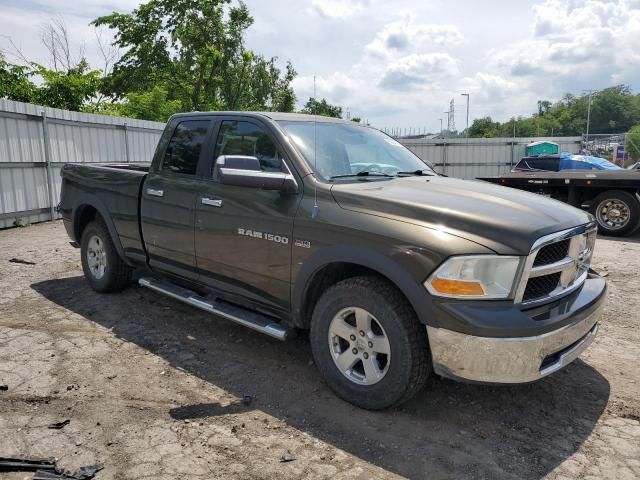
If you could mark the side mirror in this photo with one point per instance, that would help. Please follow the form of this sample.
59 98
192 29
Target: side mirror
245 171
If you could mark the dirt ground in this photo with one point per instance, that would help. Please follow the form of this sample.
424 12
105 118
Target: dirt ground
154 389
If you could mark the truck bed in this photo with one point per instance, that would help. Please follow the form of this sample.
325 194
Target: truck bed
115 188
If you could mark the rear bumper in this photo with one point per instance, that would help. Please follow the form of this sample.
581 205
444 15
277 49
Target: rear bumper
518 359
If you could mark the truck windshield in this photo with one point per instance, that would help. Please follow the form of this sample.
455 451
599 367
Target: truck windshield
344 151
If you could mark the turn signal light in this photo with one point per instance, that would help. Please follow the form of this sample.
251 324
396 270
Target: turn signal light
457 287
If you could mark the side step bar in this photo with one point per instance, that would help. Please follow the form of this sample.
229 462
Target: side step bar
254 320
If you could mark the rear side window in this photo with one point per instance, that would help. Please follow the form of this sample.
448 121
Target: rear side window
184 147
250 139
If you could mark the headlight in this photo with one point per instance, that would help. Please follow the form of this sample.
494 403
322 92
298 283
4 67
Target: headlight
478 276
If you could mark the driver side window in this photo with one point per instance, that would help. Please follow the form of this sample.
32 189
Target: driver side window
250 139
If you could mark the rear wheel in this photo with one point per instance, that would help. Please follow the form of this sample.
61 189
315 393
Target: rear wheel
617 213
103 268
368 343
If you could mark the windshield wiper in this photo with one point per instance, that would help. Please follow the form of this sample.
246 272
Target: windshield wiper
417 172
364 173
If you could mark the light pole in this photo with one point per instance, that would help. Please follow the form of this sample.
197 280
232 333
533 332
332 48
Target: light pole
588 117
440 126
448 119
467 95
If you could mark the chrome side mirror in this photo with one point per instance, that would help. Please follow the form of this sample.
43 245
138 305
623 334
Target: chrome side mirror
245 171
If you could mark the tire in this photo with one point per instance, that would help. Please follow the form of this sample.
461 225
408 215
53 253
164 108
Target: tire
103 268
627 213
403 371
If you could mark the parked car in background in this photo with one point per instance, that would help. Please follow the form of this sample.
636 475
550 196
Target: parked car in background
565 161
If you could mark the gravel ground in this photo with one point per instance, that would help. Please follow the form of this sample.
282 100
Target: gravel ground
154 389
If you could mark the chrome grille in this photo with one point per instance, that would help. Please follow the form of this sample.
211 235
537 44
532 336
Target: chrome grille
551 253
538 287
558 264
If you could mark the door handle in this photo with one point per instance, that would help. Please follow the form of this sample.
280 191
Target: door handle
155 193
214 202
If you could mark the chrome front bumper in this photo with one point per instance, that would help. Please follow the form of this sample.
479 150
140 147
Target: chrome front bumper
510 360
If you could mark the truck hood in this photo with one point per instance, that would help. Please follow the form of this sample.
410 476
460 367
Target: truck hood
503 219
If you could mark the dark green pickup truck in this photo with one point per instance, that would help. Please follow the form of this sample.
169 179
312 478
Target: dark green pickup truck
285 222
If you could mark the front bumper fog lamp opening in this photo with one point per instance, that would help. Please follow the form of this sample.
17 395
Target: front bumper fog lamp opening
475 277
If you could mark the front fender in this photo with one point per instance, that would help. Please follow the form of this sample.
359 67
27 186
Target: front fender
411 287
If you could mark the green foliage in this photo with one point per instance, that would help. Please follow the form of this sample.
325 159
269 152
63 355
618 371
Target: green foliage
633 143
194 49
151 105
15 82
69 90
484 127
356 119
322 107
613 110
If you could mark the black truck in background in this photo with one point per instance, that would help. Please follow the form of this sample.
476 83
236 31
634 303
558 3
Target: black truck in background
612 196
287 222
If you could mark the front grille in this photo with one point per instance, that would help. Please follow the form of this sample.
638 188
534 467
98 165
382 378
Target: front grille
552 253
558 265
541 286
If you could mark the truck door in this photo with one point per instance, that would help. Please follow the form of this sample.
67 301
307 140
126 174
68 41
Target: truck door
168 197
243 235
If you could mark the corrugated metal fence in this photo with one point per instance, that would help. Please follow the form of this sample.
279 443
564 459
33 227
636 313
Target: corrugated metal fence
479 157
36 141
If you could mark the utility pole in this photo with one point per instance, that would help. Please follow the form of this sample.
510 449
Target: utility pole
467 95
440 126
448 118
589 116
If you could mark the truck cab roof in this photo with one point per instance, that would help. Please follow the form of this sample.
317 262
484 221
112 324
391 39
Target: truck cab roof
275 116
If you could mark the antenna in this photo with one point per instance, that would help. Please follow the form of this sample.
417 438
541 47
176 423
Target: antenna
314 212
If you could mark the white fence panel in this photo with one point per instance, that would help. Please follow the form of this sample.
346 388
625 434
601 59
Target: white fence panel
479 157
27 194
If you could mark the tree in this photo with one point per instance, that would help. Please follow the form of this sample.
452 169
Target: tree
15 82
151 105
633 143
484 127
55 38
356 119
322 107
195 50
70 90
613 110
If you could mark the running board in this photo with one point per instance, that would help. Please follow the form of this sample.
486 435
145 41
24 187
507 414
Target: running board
248 318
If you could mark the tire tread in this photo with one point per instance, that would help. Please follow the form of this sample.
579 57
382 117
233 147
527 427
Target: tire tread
119 272
420 367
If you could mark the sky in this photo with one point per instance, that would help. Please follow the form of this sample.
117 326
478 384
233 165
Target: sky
399 64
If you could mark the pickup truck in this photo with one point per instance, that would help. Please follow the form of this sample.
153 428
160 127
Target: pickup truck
612 196
286 223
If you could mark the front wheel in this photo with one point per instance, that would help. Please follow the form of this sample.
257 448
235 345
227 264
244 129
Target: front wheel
103 268
617 213
368 343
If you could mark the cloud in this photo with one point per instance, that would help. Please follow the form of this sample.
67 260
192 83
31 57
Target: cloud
338 87
407 33
338 8
578 34
418 70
